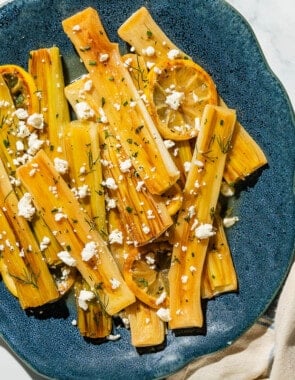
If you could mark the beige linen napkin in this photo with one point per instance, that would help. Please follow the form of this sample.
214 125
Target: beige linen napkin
265 351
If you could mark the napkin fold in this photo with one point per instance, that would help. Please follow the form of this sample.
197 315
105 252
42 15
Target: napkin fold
265 351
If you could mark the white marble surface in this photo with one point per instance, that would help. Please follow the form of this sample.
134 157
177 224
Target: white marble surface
273 22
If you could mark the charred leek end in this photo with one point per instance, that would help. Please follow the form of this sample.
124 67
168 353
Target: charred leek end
146 328
92 320
82 151
194 225
142 32
83 246
24 261
116 100
219 275
245 156
45 66
21 87
143 214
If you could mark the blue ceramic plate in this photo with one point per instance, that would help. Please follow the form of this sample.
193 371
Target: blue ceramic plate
219 39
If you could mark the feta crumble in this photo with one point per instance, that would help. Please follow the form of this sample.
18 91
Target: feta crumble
174 100
149 51
125 165
61 166
66 258
84 297
84 111
110 183
230 221
173 53
36 120
89 251
116 236
115 284
204 231
25 207
164 314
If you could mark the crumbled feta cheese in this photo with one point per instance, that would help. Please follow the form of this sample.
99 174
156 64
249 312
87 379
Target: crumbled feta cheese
199 163
149 65
110 183
115 284
59 216
116 236
19 146
84 297
173 53
169 143
174 99
161 298
197 184
84 111
66 258
44 243
150 259
25 207
88 85
204 231
146 229
4 104
103 57
36 120
184 279
164 314
21 113
61 166
191 211
125 165
140 185
128 62
230 221
227 190
22 130
192 268
103 118
89 251
187 165
110 203
34 144
117 106
150 214
113 337
81 192
76 28
157 70
149 51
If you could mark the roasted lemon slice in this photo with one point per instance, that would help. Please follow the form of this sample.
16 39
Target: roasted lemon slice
178 91
146 274
21 86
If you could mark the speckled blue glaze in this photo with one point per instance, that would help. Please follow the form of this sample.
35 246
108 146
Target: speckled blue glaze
219 39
